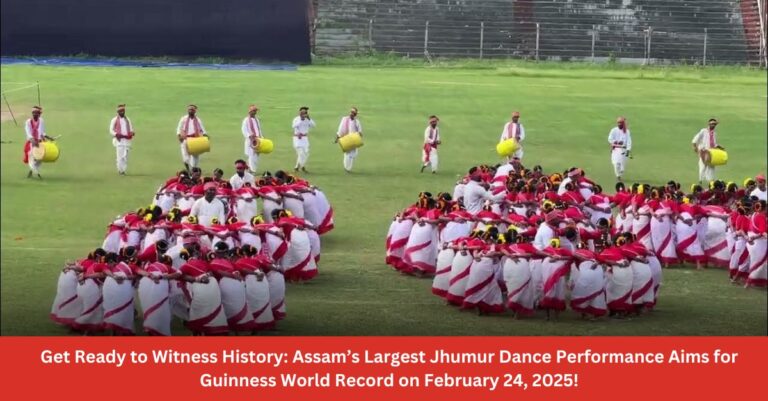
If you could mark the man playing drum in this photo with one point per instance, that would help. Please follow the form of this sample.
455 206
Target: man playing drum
301 125
702 142
348 125
35 130
252 132
514 130
431 140
190 126
122 133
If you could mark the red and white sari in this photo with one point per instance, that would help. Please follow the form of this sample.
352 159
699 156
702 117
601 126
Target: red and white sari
517 276
401 231
588 283
118 300
421 250
298 262
91 317
441 281
326 212
67 305
257 292
662 235
553 274
716 239
233 297
483 291
688 243
206 313
457 281
739 263
154 299
757 246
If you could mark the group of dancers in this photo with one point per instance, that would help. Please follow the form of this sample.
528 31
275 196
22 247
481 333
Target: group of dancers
203 251
518 238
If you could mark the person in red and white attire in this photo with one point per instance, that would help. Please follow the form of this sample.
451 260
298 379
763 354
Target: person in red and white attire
190 126
348 125
431 140
121 129
514 130
35 130
621 144
301 125
252 132
704 140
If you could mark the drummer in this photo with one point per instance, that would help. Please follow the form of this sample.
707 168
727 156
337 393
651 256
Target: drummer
620 140
252 132
121 130
431 140
703 141
35 130
190 126
348 125
514 130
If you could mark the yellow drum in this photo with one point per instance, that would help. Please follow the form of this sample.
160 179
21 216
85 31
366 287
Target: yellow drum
351 141
507 148
715 157
265 146
46 152
199 145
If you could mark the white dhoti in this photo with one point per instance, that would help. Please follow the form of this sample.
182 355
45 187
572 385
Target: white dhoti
349 159
122 148
619 160
253 157
302 155
191 160
34 165
430 157
706 173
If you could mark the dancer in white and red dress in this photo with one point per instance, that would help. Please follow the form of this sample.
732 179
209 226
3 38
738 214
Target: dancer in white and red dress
618 287
91 317
460 268
662 229
118 293
298 262
554 268
757 246
67 305
587 282
482 290
420 253
257 288
398 238
517 277
738 268
206 313
431 141
688 242
154 295
233 291
715 243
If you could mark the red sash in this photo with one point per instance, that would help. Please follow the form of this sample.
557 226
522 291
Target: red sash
35 128
119 128
198 130
712 143
517 131
348 120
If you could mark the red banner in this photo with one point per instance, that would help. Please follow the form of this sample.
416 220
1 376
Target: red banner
382 368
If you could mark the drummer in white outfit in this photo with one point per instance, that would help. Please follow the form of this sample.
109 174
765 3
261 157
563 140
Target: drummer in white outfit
190 126
301 125
252 132
431 141
514 130
704 140
621 144
348 125
35 131
121 129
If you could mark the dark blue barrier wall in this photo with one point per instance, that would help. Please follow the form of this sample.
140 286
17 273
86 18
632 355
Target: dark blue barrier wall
267 30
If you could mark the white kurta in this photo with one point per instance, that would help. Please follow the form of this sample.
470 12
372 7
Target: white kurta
251 127
238 182
122 145
429 153
703 141
621 141
205 211
301 139
347 126
475 196
34 165
191 130
516 131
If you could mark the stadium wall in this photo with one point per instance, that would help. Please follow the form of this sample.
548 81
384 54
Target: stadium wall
691 31
264 30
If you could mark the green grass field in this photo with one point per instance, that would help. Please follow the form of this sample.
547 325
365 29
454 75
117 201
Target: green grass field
567 112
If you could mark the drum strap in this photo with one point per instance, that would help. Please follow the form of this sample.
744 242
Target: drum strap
513 133
712 143
434 136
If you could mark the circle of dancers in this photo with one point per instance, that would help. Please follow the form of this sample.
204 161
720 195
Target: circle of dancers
205 252
509 237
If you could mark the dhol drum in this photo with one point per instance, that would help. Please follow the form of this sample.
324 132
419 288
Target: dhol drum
351 141
47 152
198 145
507 147
265 146
714 157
